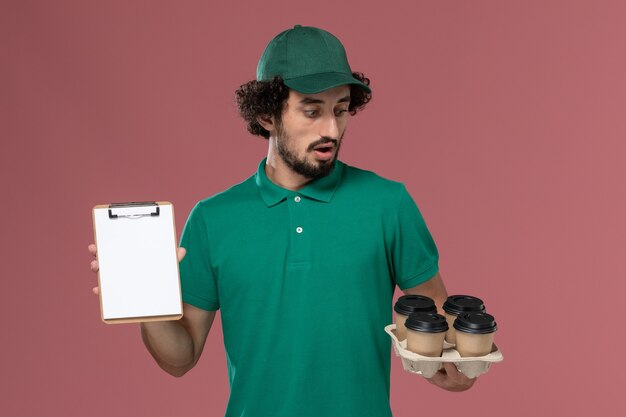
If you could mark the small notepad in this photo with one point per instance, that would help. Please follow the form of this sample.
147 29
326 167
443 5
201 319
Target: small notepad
138 277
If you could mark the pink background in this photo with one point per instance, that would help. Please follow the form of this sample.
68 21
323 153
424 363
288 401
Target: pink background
504 119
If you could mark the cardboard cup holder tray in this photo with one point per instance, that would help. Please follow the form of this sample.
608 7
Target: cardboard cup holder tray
428 366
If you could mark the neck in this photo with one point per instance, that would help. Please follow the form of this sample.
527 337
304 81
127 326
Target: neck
280 173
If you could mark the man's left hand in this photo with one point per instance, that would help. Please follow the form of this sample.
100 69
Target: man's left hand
450 379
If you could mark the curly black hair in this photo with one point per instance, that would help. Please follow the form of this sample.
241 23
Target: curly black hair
267 98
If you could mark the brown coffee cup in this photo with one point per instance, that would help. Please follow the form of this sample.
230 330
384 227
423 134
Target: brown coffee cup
474 334
407 305
425 333
459 304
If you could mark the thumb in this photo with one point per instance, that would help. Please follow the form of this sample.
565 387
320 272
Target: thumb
180 253
451 368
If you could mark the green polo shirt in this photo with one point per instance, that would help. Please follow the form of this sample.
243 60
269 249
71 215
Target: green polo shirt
304 281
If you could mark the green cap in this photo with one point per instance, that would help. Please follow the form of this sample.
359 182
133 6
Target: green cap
308 59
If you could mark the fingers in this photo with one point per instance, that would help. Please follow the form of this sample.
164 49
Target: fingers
448 377
451 369
447 372
438 378
181 252
95 267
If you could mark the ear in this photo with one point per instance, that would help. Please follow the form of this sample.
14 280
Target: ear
267 122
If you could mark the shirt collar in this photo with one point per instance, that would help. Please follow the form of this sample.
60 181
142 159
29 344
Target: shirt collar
321 189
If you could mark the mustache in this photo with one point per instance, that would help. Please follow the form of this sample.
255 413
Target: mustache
322 141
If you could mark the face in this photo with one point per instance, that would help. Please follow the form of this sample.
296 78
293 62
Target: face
309 135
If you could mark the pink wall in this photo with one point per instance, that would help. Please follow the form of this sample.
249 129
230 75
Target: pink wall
505 120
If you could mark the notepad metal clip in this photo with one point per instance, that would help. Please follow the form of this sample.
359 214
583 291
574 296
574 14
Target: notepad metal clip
133 210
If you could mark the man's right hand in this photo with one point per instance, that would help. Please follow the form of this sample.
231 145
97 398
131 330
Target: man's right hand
176 345
180 253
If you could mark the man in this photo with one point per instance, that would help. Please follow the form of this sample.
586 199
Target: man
303 257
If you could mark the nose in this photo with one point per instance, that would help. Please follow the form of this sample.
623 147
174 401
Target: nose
330 128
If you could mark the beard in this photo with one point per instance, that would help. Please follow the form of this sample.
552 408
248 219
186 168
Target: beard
302 166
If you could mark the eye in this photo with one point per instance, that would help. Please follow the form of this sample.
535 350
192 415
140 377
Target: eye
340 112
311 113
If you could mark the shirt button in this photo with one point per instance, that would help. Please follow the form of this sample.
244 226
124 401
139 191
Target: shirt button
297 199
298 230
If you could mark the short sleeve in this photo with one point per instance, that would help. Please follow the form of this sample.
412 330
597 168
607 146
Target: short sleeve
198 283
413 253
